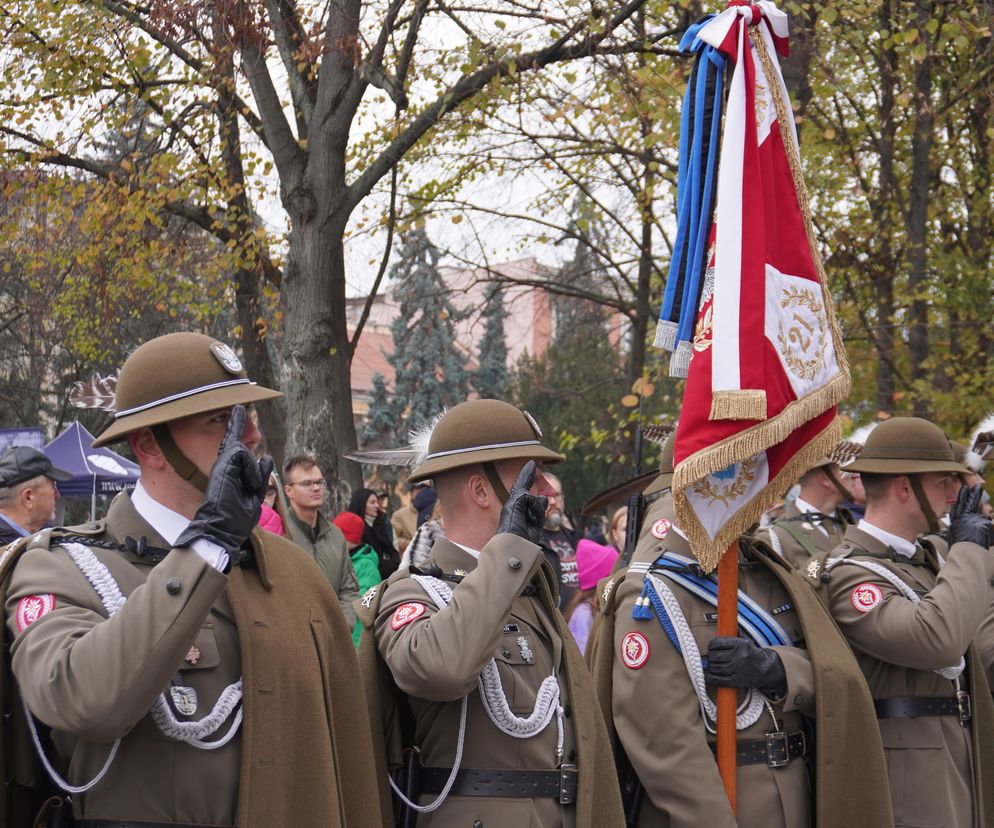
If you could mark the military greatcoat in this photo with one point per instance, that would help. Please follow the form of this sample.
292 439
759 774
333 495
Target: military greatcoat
302 755
899 644
502 608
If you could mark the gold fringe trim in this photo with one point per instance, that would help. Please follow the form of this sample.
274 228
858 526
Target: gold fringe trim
794 162
708 550
745 404
761 436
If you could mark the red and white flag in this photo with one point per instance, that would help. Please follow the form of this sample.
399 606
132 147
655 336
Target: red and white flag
768 367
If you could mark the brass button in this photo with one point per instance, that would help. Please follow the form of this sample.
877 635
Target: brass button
173 586
514 563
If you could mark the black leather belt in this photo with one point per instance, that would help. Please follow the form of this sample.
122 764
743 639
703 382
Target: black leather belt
520 784
777 750
913 707
128 823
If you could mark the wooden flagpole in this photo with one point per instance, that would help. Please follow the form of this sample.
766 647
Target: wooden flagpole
727 698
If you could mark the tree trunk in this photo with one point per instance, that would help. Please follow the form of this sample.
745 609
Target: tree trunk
316 375
918 203
796 68
643 309
886 265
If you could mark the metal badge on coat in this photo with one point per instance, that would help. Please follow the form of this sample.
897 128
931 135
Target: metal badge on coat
184 699
526 650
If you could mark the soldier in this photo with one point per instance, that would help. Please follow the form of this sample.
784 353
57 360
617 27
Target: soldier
658 620
193 669
501 705
813 523
911 624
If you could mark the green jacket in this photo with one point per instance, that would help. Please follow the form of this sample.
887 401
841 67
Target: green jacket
366 564
326 544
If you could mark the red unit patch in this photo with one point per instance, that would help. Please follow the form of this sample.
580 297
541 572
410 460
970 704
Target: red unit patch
31 608
405 614
866 596
634 650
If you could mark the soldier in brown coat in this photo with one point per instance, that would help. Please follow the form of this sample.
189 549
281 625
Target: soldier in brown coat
193 669
911 623
657 621
812 522
501 705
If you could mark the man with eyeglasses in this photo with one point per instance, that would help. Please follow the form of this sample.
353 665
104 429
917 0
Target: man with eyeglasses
911 620
28 492
305 489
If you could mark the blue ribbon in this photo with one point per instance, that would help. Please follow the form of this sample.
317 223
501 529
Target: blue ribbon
695 182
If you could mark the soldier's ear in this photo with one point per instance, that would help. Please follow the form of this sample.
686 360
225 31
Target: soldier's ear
479 490
146 449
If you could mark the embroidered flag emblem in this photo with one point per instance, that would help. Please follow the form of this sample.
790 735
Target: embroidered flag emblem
31 608
634 650
405 614
866 596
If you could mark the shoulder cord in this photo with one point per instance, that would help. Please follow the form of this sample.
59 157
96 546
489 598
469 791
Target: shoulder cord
775 542
953 673
494 703
752 706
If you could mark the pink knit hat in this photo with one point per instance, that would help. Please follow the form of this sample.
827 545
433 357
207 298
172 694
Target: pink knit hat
594 562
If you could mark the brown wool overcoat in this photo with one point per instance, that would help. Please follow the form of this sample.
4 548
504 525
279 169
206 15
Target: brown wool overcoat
303 754
438 666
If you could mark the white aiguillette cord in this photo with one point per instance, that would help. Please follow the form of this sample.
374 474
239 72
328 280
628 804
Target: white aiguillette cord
494 703
193 733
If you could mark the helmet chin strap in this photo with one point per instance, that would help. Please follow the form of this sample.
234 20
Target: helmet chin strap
839 485
916 487
183 466
490 470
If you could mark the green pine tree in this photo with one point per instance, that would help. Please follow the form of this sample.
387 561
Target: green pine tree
429 364
490 378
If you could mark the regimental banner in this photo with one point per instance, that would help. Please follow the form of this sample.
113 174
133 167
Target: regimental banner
766 363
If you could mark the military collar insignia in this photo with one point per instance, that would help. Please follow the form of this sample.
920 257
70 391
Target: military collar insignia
369 595
607 589
228 358
811 570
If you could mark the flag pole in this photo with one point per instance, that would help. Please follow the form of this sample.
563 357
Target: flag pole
727 698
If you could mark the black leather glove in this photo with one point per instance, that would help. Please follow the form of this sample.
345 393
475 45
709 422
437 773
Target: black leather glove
235 488
737 662
966 523
524 513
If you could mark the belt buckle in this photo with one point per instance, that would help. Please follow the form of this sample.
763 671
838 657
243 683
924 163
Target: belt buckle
567 783
964 707
777 749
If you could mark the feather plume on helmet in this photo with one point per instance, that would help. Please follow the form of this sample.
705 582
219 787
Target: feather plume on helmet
98 393
411 455
981 446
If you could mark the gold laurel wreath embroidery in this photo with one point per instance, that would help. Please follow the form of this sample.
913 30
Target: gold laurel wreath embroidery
702 337
805 368
734 490
760 103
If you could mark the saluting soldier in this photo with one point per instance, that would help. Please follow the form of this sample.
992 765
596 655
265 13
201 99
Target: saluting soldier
911 622
193 669
656 661
501 706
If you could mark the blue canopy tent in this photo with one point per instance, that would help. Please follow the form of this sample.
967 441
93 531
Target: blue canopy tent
94 470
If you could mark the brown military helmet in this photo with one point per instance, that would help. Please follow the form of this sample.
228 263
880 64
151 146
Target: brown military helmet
906 445
174 376
482 431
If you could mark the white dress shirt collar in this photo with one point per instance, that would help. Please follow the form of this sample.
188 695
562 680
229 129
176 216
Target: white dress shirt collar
903 547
